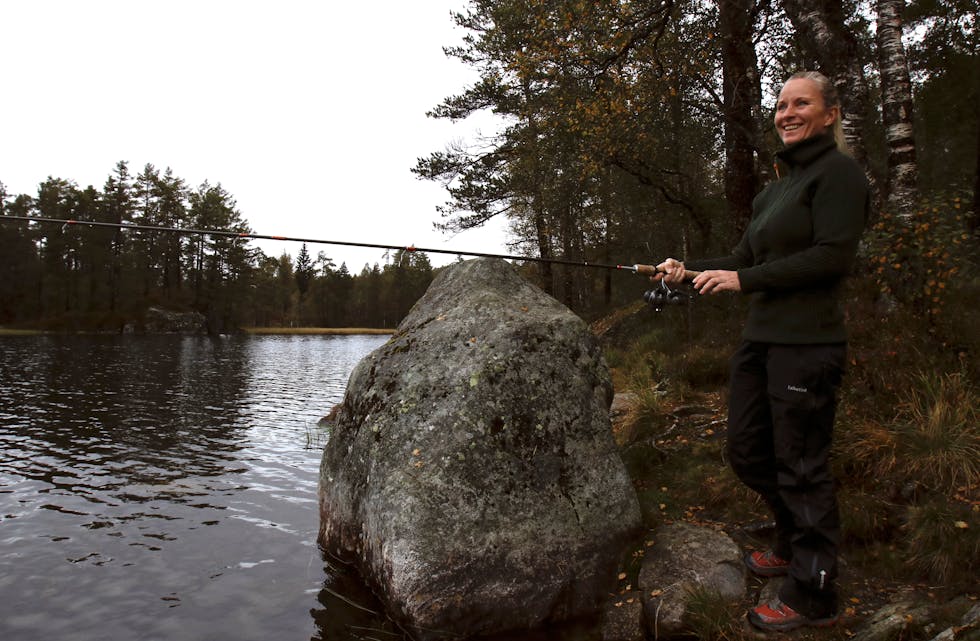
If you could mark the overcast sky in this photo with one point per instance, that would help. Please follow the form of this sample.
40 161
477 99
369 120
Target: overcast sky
311 113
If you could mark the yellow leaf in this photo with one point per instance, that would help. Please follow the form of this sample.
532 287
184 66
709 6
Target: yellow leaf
656 593
961 525
622 575
416 452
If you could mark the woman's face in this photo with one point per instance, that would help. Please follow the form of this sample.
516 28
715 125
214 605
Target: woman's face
801 112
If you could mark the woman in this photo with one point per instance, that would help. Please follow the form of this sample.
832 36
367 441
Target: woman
799 245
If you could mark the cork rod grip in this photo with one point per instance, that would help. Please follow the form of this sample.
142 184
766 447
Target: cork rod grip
650 270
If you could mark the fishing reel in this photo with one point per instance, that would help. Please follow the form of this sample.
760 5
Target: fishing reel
663 296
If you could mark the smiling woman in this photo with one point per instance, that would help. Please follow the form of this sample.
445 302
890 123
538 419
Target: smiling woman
795 253
808 106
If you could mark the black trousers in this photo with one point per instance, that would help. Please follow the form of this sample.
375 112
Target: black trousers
780 423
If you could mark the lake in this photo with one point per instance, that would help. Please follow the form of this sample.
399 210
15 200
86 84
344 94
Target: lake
165 487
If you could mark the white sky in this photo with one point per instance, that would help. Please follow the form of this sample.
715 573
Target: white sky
309 112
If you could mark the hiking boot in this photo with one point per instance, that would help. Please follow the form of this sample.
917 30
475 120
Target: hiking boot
779 617
766 564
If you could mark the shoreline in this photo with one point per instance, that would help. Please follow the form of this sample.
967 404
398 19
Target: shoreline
252 331
315 331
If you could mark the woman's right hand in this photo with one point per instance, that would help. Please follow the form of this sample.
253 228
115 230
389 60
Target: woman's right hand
671 270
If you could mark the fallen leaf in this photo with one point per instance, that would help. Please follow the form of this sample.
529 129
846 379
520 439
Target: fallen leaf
622 575
657 593
961 525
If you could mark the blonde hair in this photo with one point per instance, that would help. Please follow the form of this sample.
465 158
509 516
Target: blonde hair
830 99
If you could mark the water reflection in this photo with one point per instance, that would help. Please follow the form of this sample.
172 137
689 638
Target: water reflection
162 487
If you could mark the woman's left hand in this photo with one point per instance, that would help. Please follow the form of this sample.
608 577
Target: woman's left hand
717 280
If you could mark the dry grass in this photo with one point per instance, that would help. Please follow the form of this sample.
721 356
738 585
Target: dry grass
315 331
939 443
712 617
932 440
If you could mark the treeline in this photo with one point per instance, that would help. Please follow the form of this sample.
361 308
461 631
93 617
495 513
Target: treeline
79 277
638 130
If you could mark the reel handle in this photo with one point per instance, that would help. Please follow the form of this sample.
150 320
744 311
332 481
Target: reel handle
650 270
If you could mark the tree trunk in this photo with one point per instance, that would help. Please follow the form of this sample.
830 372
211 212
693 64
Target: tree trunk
544 250
896 98
742 96
975 219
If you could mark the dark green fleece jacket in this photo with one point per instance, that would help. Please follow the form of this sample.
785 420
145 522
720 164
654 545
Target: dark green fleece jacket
799 245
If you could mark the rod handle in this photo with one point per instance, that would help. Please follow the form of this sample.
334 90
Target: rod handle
650 270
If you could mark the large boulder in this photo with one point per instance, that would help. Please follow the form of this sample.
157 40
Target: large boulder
471 473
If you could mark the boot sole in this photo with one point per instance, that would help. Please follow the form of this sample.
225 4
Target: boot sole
794 624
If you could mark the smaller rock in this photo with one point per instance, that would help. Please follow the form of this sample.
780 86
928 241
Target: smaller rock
622 403
967 630
163 321
891 621
770 591
687 558
331 418
684 411
622 618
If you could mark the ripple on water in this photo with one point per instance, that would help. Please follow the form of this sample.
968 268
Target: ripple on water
164 487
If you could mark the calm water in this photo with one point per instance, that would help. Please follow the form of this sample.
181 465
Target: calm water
165 488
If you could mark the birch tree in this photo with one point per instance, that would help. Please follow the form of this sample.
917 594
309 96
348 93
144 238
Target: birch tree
896 102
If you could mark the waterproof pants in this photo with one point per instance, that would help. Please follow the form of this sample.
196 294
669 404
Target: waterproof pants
780 423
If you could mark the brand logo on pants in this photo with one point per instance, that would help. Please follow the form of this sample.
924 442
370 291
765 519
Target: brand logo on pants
794 388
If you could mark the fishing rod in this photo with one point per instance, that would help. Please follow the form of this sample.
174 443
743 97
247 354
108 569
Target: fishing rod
648 270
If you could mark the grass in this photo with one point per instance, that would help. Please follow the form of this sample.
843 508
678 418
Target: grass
310 331
711 617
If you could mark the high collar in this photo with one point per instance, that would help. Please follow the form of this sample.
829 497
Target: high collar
804 152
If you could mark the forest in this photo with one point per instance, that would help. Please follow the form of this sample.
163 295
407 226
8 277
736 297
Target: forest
87 278
632 131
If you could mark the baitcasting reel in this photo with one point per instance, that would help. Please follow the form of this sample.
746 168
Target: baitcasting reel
663 296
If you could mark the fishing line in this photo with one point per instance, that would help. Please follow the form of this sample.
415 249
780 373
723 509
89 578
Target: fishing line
65 222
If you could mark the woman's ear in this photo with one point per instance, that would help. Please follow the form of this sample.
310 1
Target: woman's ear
832 115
